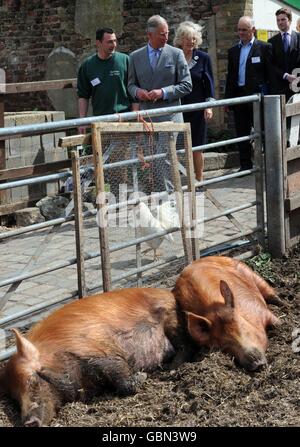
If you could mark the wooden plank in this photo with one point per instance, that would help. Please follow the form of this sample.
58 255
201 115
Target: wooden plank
100 188
292 109
138 247
294 229
79 229
292 153
26 87
3 194
10 208
167 126
292 203
34 170
192 195
293 179
186 242
75 140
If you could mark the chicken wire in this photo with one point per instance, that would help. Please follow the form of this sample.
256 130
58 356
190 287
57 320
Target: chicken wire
145 187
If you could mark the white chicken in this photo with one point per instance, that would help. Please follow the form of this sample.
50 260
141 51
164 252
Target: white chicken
148 224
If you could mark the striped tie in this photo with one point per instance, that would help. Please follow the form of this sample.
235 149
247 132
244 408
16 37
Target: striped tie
285 42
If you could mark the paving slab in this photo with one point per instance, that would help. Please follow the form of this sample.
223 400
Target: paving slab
16 253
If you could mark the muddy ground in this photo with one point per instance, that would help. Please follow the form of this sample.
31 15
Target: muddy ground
213 391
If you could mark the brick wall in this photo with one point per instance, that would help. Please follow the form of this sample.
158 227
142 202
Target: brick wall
31 30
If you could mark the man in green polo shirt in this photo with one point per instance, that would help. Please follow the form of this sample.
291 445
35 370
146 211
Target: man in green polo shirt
103 78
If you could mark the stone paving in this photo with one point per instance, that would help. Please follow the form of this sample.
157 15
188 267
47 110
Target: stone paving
17 252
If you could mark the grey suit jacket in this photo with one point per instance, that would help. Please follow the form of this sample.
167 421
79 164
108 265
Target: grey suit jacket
171 73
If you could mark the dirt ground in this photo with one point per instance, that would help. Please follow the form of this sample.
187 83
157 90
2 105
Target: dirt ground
213 391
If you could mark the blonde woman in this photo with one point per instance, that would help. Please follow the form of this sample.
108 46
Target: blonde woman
188 37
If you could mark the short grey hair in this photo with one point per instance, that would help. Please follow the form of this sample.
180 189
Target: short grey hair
188 29
154 22
248 19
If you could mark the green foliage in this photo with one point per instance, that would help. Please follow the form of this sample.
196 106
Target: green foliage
262 263
86 149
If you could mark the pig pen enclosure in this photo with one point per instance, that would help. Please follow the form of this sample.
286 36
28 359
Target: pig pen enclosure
212 390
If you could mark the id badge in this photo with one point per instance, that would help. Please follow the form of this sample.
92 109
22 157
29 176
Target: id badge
95 82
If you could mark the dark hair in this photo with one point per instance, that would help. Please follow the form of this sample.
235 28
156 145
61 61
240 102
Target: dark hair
285 11
100 32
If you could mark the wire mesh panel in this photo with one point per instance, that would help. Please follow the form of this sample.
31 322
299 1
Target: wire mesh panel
144 196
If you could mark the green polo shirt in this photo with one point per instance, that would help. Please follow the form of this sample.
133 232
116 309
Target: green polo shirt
105 82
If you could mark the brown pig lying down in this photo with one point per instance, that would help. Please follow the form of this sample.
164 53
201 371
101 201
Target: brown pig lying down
227 301
108 339
98 341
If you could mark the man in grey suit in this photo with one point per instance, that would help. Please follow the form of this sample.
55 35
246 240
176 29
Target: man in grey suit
158 74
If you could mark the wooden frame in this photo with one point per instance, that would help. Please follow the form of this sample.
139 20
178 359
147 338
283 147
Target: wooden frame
190 246
282 178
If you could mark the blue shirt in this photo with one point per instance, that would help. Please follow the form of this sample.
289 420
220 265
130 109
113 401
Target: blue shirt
152 53
245 50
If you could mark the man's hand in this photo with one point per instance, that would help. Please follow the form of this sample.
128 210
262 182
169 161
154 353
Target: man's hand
208 114
154 95
290 78
142 95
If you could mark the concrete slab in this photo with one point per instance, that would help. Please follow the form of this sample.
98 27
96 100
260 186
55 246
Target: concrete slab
15 253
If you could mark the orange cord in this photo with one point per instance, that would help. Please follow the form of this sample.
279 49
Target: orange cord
148 127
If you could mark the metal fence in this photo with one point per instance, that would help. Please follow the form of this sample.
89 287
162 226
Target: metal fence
34 268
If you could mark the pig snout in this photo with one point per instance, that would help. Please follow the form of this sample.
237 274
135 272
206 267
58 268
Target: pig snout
32 415
253 360
38 416
33 421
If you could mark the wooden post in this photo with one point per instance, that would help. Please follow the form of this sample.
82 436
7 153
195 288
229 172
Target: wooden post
138 247
191 194
79 230
187 247
101 205
259 176
3 194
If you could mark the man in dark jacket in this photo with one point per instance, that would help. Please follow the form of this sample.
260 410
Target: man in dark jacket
285 55
248 73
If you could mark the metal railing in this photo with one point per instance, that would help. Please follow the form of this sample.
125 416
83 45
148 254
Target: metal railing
21 131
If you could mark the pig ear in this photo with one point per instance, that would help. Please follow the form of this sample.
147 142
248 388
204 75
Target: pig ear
227 294
25 348
198 328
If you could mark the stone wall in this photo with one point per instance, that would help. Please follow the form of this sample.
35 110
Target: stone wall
44 40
